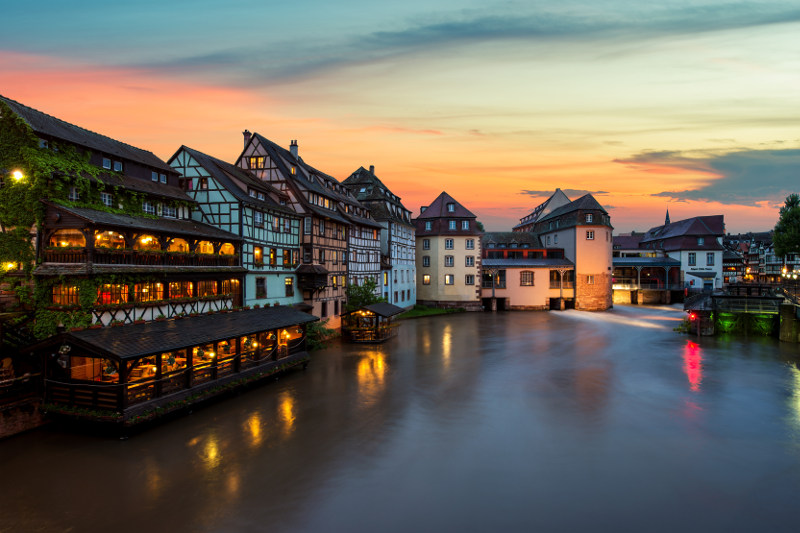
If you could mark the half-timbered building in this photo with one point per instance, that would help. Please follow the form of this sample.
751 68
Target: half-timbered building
232 199
117 240
398 238
329 215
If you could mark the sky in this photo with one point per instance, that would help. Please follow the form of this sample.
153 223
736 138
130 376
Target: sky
691 106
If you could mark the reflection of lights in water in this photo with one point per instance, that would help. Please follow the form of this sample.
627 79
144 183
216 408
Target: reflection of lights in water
693 365
154 481
795 399
211 456
426 342
286 412
233 483
253 426
639 322
447 344
371 375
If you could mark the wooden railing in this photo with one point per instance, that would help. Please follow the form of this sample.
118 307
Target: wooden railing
133 257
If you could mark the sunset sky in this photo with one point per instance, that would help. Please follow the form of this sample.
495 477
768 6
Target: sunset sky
688 105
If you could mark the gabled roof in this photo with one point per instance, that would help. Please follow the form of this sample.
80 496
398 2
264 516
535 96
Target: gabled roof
49 126
627 242
556 200
174 226
372 192
584 203
226 174
438 209
384 309
695 226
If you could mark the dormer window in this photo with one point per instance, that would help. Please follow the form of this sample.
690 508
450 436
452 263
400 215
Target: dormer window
117 166
154 175
107 163
589 218
451 207
700 241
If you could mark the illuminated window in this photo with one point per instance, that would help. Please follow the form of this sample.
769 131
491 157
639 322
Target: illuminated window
273 259
426 279
65 295
258 256
178 245
68 238
205 247
449 279
385 279
288 283
227 249
205 288
230 286
147 243
148 292
181 289
112 294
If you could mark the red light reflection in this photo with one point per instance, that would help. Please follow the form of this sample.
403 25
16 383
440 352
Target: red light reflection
693 365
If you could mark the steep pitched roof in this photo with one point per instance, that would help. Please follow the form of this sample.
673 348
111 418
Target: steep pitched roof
372 192
556 200
50 126
227 174
584 203
695 226
438 209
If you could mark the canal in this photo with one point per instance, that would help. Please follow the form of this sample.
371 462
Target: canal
559 421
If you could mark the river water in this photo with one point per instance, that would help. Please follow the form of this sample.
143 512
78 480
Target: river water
546 421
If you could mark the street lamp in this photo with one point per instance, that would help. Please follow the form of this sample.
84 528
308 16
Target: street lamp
17 175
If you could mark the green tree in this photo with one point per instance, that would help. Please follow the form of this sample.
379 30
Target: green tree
360 295
786 237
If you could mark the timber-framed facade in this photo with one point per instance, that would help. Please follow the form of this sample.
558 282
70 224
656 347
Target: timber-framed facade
234 200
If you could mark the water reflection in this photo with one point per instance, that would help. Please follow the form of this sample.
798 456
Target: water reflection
153 479
447 346
286 412
371 375
210 455
253 427
693 365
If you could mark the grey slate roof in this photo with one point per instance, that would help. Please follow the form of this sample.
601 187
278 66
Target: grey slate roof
384 309
223 172
161 225
50 126
136 340
438 209
585 202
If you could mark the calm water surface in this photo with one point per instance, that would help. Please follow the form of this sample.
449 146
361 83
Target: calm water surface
475 422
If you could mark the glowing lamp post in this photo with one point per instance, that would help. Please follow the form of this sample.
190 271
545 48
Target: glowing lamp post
17 175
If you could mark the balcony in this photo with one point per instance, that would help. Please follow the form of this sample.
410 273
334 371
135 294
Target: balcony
132 257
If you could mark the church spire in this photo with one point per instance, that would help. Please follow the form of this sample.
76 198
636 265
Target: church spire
666 220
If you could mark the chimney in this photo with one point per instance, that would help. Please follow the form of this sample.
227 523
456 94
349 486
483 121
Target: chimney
247 136
293 148
372 169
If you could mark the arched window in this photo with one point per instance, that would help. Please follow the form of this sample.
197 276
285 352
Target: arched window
227 249
68 238
178 245
147 243
109 239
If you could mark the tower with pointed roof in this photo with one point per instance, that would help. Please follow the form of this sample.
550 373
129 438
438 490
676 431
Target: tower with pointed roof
666 219
448 255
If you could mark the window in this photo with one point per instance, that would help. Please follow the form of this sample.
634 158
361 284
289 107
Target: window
590 235
428 225
107 163
181 289
148 208
590 280
307 225
148 292
448 260
206 288
548 240
700 241
163 178
273 257
107 199
118 166
74 195
65 295
258 256
426 279
169 211
426 244
426 260
154 175
526 278
451 207
555 238
322 227
451 224
321 256
385 279
448 244
469 244
261 287
202 184
255 162
692 259
288 283
710 259
449 279
469 279
287 257
469 260
465 224
589 218
324 310
258 219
